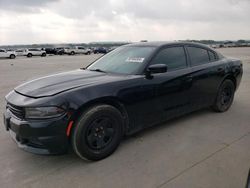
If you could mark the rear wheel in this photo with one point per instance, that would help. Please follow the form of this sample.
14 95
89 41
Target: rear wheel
224 97
29 55
72 53
98 132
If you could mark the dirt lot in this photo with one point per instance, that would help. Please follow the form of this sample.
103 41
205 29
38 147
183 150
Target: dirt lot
203 149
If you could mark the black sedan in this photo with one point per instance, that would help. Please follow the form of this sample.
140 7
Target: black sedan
129 89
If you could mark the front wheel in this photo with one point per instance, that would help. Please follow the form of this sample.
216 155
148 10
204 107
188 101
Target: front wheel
43 55
98 132
224 97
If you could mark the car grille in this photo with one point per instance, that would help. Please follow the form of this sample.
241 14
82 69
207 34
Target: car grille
16 111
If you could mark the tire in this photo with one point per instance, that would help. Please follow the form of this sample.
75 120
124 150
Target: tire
97 133
44 55
224 97
29 55
72 53
12 56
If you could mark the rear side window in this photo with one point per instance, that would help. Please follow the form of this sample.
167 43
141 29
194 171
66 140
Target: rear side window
173 57
198 56
212 56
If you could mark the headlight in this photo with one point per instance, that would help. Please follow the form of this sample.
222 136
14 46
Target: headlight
43 112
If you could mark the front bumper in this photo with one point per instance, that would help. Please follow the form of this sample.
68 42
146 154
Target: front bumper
38 136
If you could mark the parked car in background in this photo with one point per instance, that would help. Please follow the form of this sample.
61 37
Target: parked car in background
10 50
35 52
21 52
60 50
100 50
131 88
77 50
7 54
50 51
55 51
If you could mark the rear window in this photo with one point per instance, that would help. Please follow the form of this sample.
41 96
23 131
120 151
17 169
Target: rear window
198 56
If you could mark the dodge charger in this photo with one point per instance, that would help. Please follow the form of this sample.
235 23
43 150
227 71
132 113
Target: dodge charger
129 89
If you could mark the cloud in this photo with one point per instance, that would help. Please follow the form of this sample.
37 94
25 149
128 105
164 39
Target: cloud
24 6
42 21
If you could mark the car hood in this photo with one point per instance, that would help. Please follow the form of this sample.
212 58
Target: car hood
58 83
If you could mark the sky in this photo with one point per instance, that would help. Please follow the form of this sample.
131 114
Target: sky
77 21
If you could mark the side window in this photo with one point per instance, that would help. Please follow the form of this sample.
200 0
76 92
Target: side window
173 57
212 56
1 50
198 56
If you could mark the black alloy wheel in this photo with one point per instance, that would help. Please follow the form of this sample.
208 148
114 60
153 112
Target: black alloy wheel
225 96
98 132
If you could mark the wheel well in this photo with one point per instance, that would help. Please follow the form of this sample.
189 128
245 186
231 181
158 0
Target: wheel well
112 102
232 78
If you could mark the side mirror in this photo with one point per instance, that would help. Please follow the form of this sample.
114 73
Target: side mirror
154 69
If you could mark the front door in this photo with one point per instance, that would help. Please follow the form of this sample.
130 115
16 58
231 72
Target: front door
173 87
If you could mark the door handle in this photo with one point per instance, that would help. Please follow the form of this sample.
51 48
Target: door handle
189 78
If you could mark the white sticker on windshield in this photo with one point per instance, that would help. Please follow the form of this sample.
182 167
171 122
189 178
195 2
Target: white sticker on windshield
135 59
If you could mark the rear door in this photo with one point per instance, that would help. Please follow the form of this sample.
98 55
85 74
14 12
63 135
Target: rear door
205 73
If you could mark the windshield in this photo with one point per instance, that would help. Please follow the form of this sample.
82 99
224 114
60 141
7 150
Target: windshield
123 60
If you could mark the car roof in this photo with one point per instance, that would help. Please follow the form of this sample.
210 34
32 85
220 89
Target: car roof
167 43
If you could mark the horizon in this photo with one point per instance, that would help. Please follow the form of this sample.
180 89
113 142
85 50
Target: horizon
116 42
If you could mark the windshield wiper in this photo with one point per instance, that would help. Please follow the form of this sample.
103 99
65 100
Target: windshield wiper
97 70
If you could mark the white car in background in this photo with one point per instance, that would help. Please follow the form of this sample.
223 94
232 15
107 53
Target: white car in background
34 52
21 52
7 54
78 50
